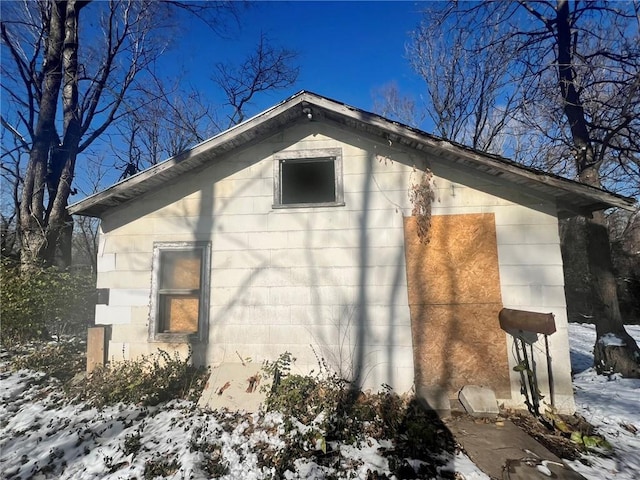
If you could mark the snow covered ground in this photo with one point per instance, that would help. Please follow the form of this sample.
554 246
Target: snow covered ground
42 437
609 404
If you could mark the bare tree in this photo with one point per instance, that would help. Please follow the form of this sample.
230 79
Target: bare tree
93 172
14 149
47 72
478 109
47 65
167 121
267 68
162 123
574 68
390 103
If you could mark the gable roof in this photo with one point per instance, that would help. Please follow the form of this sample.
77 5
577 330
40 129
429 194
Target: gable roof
572 198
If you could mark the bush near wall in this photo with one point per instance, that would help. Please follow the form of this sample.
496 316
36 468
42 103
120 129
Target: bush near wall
147 380
46 302
335 411
62 360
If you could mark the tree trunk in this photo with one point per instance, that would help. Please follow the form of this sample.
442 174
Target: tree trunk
615 350
60 222
33 221
47 232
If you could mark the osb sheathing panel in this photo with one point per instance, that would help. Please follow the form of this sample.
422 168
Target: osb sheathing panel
458 265
454 300
182 314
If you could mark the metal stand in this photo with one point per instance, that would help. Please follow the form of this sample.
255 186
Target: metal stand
525 327
528 376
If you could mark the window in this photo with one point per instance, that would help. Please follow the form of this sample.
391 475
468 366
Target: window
180 292
308 178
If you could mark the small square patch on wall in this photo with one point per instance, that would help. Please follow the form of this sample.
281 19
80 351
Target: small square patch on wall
102 296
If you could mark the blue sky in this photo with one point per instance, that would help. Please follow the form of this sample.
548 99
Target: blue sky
346 49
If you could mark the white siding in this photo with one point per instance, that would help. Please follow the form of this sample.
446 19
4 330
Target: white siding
332 277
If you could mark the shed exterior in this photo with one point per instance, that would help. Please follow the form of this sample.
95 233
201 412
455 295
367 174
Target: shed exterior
332 280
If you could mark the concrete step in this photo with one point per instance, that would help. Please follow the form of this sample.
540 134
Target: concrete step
503 451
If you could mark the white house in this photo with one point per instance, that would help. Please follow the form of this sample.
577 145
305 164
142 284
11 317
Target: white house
294 231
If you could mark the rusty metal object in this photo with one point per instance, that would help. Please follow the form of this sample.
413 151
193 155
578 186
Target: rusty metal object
527 321
525 326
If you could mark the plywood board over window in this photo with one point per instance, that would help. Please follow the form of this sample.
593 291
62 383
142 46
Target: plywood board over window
179 292
454 298
180 314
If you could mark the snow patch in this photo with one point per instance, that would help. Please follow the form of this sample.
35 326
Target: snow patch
612 340
607 402
40 432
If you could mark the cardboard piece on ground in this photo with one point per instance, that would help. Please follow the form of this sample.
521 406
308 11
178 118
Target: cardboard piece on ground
235 386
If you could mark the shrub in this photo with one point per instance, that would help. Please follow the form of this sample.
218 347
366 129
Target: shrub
303 396
332 410
44 302
132 444
148 380
349 415
62 360
159 466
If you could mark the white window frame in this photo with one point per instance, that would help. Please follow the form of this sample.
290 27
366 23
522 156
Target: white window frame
318 154
201 336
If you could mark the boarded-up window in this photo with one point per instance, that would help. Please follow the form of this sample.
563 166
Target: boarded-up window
179 291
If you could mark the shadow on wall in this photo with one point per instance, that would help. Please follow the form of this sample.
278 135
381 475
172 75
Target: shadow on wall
204 227
356 312
350 345
187 184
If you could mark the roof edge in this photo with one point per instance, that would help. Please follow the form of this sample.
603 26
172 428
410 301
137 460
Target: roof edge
90 206
436 142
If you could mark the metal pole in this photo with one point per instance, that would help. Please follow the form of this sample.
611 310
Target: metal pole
549 370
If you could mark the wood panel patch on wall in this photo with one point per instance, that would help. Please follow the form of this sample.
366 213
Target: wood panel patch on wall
454 300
